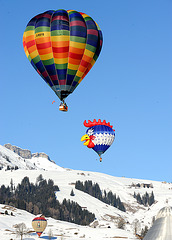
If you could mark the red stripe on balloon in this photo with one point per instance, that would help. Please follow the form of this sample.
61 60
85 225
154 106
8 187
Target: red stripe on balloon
77 23
54 77
60 18
62 82
60 49
92 32
45 74
30 43
75 55
84 63
46 15
43 45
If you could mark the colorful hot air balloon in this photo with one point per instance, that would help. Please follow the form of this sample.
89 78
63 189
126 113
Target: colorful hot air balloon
39 224
62 46
99 136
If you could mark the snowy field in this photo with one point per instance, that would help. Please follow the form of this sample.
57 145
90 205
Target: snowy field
106 215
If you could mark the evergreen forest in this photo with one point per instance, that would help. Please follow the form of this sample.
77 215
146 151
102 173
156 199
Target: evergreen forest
146 199
40 198
94 190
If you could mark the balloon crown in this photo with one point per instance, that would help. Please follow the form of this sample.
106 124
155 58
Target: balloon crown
99 122
39 218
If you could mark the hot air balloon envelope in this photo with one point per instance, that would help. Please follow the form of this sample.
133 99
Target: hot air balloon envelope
99 136
39 224
62 46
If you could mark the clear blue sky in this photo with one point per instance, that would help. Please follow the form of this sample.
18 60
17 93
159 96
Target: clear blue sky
130 86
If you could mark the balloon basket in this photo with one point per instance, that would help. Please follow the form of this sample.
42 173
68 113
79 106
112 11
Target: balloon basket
63 107
100 158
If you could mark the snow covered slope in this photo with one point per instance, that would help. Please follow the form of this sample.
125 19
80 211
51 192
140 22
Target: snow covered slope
107 217
61 230
10 159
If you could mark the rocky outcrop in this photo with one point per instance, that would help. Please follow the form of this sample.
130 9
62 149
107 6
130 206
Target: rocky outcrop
24 153
43 155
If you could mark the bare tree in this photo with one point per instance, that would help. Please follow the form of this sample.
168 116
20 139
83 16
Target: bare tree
136 226
153 220
21 230
35 209
121 223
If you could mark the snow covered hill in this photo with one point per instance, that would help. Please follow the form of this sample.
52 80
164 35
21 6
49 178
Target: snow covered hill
107 217
11 160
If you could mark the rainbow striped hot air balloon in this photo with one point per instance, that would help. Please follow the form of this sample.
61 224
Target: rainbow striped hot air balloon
62 46
39 224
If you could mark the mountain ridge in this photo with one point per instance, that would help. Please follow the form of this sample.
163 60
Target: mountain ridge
25 153
12 157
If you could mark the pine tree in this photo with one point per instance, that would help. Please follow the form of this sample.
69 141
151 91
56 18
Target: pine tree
138 197
72 193
39 178
6 212
11 185
151 199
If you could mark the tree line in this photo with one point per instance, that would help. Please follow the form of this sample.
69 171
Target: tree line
40 198
94 190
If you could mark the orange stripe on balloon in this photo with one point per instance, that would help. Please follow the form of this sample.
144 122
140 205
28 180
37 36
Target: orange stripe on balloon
74 61
77 50
73 57
32 49
42 40
82 69
30 38
87 58
60 44
45 51
60 55
30 43
44 45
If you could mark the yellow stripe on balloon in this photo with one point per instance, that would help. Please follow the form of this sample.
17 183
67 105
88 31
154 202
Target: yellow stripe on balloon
77 45
80 80
59 38
79 73
42 35
25 49
92 62
34 54
89 53
26 52
85 15
30 38
29 33
72 66
46 56
32 48
61 60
